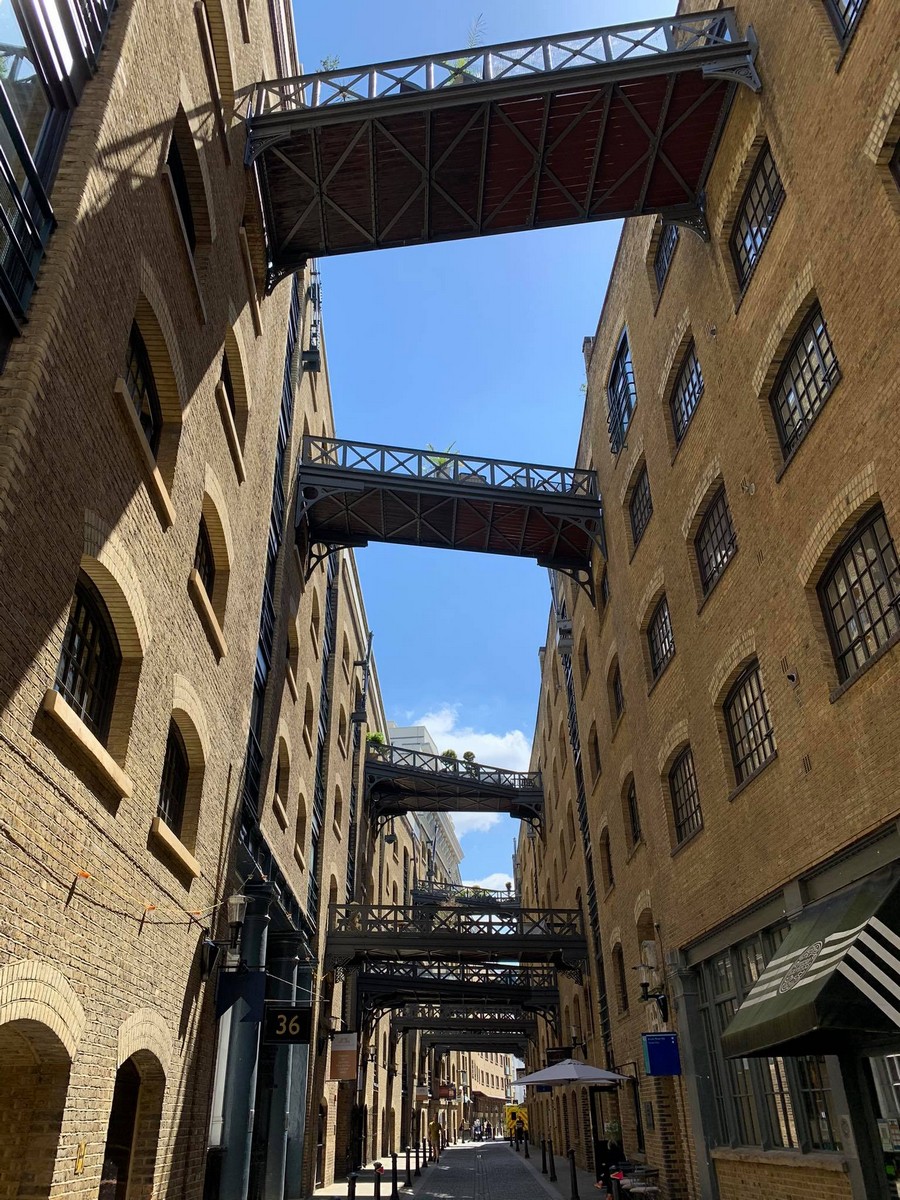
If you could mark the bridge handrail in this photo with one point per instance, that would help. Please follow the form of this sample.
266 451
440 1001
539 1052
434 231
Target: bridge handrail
439 971
459 768
366 920
712 30
445 466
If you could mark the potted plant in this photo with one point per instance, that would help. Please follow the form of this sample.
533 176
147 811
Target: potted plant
441 461
376 742
458 67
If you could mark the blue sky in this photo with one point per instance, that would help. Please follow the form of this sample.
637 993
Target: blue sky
475 343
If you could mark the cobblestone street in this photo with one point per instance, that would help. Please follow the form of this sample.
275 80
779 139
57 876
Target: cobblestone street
484 1171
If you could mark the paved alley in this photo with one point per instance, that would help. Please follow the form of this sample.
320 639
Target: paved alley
483 1171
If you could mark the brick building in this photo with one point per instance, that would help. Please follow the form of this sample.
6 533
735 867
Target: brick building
733 693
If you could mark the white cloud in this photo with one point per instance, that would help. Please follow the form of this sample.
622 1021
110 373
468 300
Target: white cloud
493 883
511 750
477 822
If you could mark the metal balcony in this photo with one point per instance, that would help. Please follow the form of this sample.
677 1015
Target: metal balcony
353 493
398 781
585 126
386 984
485 932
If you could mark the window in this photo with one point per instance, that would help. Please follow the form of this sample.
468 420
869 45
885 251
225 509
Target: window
715 542
621 395
894 164
620 978
88 671
860 594
805 381
228 385
175 163
845 16
685 797
594 752
640 507
686 393
632 813
584 660
606 865
142 388
174 783
749 725
659 638
203 558
604 587
756 215
665 250
618 696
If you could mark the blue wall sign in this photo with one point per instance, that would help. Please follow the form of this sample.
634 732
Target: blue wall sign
661 1055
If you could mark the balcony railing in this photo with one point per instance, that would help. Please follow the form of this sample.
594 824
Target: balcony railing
425 892
370 920
592 48
502 975
440 467
458 769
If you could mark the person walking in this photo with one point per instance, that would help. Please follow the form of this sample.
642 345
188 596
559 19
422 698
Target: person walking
488 1132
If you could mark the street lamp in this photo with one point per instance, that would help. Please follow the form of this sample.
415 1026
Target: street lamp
210 949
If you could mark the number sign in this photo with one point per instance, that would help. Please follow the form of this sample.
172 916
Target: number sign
286 1024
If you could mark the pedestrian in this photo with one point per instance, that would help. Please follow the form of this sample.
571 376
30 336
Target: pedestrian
464 1130
520 1129
489 1132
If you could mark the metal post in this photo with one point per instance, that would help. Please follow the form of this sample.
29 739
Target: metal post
417 1171
408 1180
351 1186
517 1143
426 1149
377 1185
543 1156
395 1191
525 1140
552 1160
572 1176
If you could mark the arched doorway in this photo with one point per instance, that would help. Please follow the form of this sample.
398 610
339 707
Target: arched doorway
32 1101
132 1134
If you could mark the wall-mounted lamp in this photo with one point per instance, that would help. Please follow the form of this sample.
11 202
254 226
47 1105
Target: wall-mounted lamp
662 1001
210 949
326 1032
578 1041
390 838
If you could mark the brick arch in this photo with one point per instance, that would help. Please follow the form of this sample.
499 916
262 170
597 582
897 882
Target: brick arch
213 489
108 563
145 1031
652 594
197 169
237 365
186 700
847 507
733 188
165 355
625 772
708 483
788 320
682 336
642 904
612 655
675 739
632 469
729 666
33 991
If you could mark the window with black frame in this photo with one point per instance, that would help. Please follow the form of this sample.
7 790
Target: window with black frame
204 559
621 395
141 387
805 381
88 671
756 215
616 693
860 594
228 385
845 15
174 783
640 507
660 640
175 163
686 393
749 724
665 252
715 543
686 813
632 813
775 1102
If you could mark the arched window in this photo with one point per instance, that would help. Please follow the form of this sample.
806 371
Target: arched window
660 641
805 381
860 594
686 393
309 715
227 383
756 215
715 543
685 795
342 730
345 656
584 659
606 863
282 772
181 187
141 387
640 507
621 395
844 16
300 833
204 560
632 813
338 806
665 252
621 979
315 621
174 783
594 752
616 694
89 664
749 724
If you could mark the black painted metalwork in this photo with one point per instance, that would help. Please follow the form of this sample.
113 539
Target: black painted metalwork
398 780
90 659
660 640
686 393
432 891
640 508
686 812
715 542
383 984
749 724
665 252
805 381
757 211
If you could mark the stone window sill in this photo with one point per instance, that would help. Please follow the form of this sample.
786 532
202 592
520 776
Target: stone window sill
159 493
165 839
169 184
752 777
867 666
231 433
247 259
307 742
782 1158
279 810
298 857
291 682
208 618
336 829
652 688
686 841
634 849
85 744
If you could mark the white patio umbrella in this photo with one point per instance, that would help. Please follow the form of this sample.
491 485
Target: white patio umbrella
572 1071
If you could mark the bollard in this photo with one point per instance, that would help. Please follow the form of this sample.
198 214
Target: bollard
525 1140
552 1159
395 1190
408 1180
351 1186
517 1146
572 1176
377 1192
426 1152
543 1156
417 1172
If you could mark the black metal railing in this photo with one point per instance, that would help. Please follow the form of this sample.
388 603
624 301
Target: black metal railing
456 768
366 920
443 467
467 973
425 891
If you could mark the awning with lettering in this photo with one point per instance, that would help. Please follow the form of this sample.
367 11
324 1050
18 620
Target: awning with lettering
834 983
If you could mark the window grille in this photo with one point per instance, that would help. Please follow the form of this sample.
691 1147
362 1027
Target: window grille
845 15
621 395
634 816
142 388
685 796
860 594
659 638
749 724
686 393
715 543
175 163
88 670
203 558
756 215
228 384
621 978
665 250
640 507
618 695
809 373
606 860
173 786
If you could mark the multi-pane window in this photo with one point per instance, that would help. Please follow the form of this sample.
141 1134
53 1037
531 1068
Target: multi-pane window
620 977
633 813
774 1102
660 641
175 163
860 594
665 249
621 395
88 670
640 507
686 393
142 387
845 16
749 725
618 696
715 542
203 558
756 215
685 795
809 373
174 783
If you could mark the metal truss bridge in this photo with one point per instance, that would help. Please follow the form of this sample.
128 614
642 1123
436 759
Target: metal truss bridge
585 126
353 493
450 1018
476 1040
383 984
398 781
